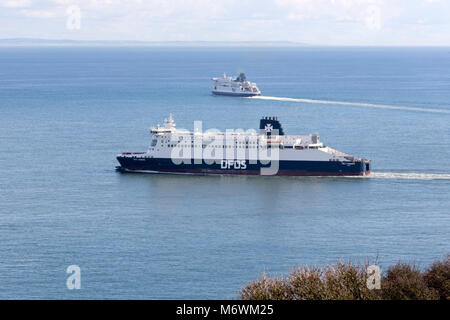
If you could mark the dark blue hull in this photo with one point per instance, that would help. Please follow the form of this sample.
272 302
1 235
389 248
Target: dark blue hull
241 167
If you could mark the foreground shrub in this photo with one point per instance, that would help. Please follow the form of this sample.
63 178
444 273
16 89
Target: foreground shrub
438 277
405 282
306 284
343 281
346 281
266 289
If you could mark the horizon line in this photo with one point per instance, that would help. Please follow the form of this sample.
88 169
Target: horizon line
269 43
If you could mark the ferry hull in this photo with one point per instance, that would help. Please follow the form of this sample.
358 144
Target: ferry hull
236 94
285 168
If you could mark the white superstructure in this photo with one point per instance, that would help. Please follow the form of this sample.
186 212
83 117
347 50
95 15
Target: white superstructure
243 144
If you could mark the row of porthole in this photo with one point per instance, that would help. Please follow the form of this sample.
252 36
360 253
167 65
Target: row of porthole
236 142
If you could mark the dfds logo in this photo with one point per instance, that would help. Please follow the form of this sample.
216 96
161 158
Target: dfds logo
233 164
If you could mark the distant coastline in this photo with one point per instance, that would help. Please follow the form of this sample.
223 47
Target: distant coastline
37 42
113 43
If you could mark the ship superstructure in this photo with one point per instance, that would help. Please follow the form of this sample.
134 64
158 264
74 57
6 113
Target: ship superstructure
268 151
238 86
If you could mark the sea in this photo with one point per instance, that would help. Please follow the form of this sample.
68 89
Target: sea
66 112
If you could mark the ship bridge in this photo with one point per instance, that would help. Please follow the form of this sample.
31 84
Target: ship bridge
168 127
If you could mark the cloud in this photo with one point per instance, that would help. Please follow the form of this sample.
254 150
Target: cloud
365 12
373 18
15 3
307 21
149 8
40 14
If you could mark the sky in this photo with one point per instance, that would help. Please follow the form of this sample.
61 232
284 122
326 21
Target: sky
314 22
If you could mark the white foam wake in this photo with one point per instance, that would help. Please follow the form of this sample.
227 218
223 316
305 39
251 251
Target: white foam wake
410 175
353 104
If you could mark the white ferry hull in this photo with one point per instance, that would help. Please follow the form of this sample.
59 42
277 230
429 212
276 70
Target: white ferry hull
236 94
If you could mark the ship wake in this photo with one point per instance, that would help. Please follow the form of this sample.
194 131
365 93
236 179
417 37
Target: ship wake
410 175
353 104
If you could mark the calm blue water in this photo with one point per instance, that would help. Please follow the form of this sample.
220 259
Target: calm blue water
66 112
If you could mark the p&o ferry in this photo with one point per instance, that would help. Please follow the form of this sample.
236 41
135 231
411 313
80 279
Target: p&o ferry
238 87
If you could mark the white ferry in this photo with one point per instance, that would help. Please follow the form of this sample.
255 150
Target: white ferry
239 86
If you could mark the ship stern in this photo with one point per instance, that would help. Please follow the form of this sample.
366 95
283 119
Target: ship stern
366 167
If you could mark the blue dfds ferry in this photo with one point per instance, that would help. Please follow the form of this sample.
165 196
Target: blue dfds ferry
268 151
